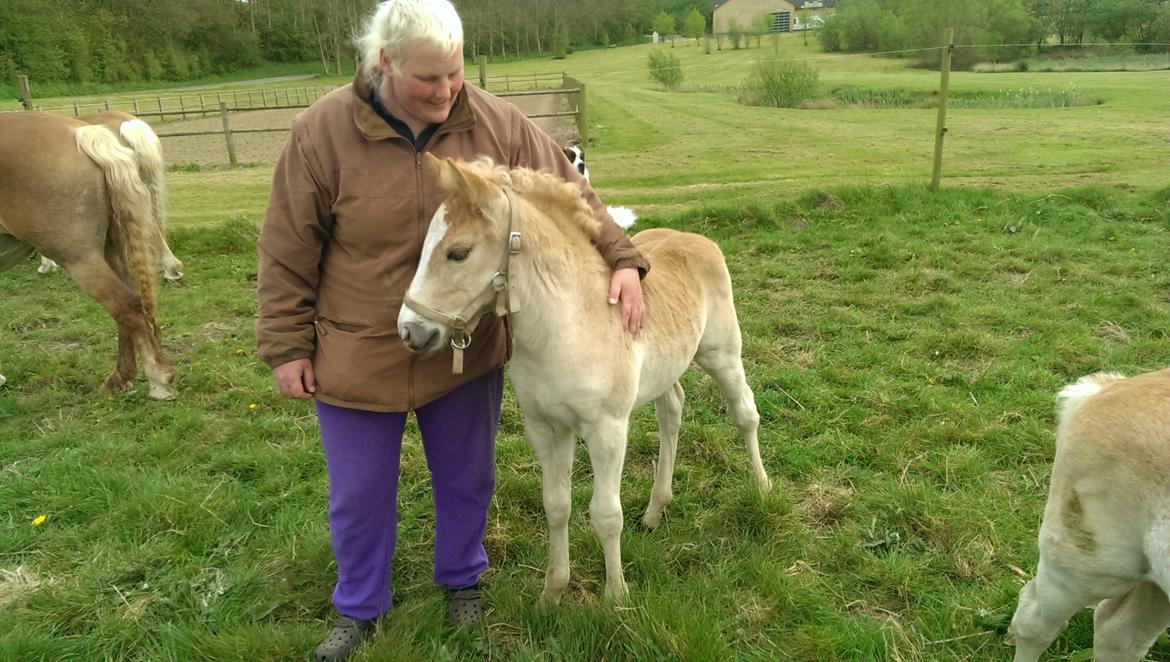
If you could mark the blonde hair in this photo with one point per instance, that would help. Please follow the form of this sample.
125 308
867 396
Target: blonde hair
397 23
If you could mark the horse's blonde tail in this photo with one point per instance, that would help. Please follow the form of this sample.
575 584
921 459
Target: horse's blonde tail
131 218
148 149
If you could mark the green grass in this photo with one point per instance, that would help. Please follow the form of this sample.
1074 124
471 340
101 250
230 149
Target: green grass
904 348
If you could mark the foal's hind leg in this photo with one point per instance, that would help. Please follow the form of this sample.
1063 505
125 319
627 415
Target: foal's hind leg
668 409
725 365
1046 604
1124 628
95 277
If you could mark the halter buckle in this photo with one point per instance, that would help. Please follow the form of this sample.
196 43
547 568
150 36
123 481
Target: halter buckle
514 242
460 339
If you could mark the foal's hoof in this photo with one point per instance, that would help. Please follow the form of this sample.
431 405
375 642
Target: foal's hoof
652 520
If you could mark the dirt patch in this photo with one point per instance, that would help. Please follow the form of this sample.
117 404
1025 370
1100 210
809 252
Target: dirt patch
265 148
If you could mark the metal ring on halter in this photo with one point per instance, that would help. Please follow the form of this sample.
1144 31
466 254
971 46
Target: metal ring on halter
460 340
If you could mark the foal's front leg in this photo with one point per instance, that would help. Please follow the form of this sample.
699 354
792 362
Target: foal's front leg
606 440
554 448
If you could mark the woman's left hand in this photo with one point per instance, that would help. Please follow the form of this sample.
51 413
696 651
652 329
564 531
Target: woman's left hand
626 289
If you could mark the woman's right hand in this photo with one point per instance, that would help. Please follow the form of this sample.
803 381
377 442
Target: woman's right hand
295 379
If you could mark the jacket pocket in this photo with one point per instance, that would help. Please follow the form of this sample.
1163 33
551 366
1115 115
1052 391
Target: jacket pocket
361 365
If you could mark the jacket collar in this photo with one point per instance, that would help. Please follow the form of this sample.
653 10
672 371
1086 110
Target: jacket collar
373 127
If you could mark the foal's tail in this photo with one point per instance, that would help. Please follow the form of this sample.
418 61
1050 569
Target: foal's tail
135 230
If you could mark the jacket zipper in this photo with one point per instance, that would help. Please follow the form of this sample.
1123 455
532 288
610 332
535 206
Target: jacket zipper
321 330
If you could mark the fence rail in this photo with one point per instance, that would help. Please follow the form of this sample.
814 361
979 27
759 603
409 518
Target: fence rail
203 104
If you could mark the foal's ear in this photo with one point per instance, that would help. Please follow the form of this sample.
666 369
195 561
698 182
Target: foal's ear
456 179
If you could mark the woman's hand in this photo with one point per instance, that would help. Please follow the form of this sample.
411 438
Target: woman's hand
626 289
295 379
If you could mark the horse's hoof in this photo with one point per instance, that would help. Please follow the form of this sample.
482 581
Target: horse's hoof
113 384
651 520
161 392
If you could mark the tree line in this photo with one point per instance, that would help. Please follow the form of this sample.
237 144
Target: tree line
109 41
1001 30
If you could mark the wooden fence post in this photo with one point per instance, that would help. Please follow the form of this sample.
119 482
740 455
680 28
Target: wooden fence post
227 134
76 109
135 100
940 127
483 72
582 125
25 94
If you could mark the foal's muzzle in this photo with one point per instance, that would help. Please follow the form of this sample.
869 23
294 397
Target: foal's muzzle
420 334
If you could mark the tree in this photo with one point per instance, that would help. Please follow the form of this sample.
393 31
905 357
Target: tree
664 25
694 25
760 26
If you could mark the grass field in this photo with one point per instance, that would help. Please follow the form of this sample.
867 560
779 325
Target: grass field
904 348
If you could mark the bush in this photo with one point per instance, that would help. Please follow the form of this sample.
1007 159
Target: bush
665 69
782 84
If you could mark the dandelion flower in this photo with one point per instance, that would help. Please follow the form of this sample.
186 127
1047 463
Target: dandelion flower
39 520
252 406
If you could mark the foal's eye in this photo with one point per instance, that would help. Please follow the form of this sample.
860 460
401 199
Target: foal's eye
458 253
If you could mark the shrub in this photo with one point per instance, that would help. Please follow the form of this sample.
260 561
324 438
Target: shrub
665 69
782 84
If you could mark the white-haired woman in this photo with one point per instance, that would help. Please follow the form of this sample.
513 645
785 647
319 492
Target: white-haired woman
349 208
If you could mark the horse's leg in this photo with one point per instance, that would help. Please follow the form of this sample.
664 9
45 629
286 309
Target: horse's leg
723 362
172 266
606 440
126 368
97 279
554 448
668 409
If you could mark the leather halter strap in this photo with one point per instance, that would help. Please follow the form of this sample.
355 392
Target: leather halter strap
502 283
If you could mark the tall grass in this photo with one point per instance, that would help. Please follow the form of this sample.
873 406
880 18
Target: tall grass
904 349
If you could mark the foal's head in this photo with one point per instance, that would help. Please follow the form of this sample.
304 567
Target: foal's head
464 250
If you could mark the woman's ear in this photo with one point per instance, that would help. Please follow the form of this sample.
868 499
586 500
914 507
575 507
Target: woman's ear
385 65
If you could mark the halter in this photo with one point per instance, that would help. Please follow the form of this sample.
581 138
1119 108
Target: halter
500 283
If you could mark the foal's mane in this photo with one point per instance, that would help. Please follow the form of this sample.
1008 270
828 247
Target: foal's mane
561 201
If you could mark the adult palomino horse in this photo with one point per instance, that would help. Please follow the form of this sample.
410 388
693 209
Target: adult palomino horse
526 237
139 137
74 192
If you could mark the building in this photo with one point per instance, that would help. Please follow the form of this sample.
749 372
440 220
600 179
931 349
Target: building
743 12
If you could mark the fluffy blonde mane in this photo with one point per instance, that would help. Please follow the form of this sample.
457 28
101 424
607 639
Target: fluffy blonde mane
552 195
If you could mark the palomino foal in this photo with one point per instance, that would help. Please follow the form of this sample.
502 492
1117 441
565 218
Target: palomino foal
575 371
1106 531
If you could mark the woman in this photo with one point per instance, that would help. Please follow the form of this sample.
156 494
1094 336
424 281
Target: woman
342 236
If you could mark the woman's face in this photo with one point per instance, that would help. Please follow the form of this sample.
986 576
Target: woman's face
420 88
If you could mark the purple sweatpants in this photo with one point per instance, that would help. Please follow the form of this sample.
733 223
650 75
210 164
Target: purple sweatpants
362 451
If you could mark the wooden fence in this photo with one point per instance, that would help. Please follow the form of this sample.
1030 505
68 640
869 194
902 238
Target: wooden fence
568 96
185 106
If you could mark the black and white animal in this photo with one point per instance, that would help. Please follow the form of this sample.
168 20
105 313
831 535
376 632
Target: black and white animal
623 216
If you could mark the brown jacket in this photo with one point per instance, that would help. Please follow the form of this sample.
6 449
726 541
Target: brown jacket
349 209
